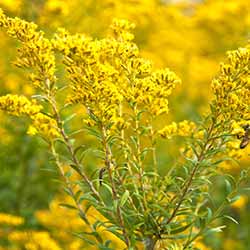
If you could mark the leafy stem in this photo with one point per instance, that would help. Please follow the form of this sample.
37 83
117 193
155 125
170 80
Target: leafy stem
76 164
188 183
108 164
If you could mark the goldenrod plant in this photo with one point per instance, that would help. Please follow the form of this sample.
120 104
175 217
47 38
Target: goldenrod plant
109 93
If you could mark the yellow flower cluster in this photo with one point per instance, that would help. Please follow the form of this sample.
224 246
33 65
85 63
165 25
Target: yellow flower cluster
108 73
92 78
36 51
121 29
33 240
232 101
237 128
44 125
20 105
151 92
232 87
184 128
8 219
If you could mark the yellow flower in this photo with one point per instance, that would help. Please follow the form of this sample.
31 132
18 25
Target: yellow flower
36 52
44 125
121 29
34 240
184 128
232 88
169 130
20 105
11 220
201 246
107 73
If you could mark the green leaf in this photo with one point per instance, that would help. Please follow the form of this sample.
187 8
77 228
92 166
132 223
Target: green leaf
112 139
60 140
77 194
104 184
124 198
67 206
202 222
209 214
69 118
79 235
107 243
115 203
144 153
150 173
115 230
139 115
84 154
68 191
76 132
233 199
72 141
75 167
85 196
215 230
83 216
95 133
68 174
228 186
180 229
145 129
222 160
231 218
97 224
101 247
134 140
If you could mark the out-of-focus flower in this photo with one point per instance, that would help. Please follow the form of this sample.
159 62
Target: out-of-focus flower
12 220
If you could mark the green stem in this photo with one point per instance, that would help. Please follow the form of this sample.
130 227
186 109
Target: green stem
187 185
125 144
72 194
66 139
108 163
138 158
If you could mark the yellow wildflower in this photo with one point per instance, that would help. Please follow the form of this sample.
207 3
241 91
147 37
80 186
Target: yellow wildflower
34 240
44 125
9 219
201 246
184 128
20 105
169 130
105 74
232 88
36 51
121 29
